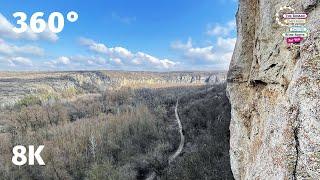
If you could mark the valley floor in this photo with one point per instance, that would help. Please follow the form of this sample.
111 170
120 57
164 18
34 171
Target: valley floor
125 133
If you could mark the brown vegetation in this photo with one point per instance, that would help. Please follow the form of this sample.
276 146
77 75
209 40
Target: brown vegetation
121 134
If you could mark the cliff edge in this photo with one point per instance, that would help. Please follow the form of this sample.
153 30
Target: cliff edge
14 86
274 90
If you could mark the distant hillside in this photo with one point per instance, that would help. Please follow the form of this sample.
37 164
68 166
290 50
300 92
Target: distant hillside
17 85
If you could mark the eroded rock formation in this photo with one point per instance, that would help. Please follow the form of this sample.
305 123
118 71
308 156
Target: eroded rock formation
275 95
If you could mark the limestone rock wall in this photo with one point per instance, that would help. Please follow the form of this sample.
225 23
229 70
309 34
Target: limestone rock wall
274 91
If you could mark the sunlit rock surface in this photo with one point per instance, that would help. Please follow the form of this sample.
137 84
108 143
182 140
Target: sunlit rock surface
275 95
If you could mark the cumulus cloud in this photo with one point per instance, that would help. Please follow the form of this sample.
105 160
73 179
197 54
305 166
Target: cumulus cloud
7 32
117 61
226 44
75 61
103 49
195 53
18 56
86 62
165 63
63 60
19 61
93 46
222 30
13 50
121 55
220 52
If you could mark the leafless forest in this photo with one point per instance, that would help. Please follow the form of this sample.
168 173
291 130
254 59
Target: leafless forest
120 134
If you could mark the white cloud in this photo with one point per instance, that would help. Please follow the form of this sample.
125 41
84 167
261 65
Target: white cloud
75 61
19 61
18 57
103 49
221 52
222 30
62 60
83 62
148 58
226 44
120 52
120 55
117 61
136 61
93 46
12 50
194 53
6 31
166 63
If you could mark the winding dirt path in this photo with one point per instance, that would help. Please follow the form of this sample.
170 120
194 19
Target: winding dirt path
182 140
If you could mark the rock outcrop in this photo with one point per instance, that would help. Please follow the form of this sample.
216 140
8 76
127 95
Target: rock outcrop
274 91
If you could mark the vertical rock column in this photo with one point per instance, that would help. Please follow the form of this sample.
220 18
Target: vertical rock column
274 91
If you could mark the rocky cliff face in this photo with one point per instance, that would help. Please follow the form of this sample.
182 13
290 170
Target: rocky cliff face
275 95
15 86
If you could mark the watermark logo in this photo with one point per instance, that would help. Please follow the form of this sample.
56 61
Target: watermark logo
19 155
297 32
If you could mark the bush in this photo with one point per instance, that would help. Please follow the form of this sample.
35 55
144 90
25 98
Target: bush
103 171
29 101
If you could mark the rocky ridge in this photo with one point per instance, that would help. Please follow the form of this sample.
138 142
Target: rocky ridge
16 85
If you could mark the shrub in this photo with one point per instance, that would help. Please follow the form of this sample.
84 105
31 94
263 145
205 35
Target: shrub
105 170
29 101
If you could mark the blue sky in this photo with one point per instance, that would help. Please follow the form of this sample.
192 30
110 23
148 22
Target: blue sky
161 35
